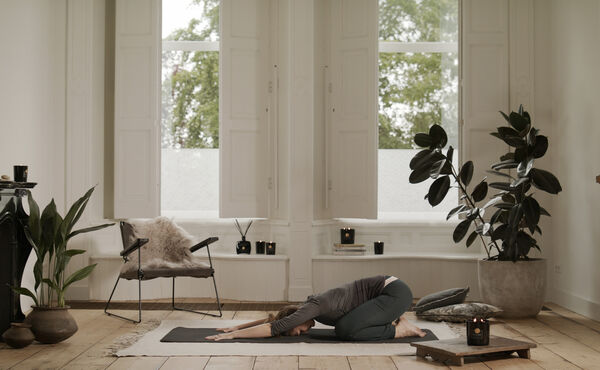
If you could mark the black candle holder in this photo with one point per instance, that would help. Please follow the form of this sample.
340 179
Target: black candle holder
20 173
347 235
260 247
378 247
271 247
243 246
478 332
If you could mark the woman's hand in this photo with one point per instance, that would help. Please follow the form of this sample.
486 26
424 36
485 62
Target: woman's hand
228 330
219 337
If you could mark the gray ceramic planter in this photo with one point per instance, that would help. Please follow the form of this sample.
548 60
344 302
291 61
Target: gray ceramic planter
518 288
51 324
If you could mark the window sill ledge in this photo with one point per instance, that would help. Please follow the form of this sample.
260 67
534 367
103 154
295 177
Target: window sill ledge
404 256
215 256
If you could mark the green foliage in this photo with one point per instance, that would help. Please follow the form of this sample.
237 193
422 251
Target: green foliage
515 220
48 234
191 88
416 88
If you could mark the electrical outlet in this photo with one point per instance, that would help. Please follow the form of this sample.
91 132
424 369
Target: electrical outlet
557 269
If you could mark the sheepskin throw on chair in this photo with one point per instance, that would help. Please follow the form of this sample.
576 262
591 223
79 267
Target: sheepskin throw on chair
168 247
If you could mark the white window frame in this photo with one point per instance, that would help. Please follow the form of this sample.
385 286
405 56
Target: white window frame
421 47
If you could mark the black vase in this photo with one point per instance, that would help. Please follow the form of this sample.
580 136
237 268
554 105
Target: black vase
243 246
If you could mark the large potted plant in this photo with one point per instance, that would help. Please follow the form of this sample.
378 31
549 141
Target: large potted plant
49 233
507 223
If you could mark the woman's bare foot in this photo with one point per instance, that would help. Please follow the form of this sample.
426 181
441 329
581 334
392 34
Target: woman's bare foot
405 329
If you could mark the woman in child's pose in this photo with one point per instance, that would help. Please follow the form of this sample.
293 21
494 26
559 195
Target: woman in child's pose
366 309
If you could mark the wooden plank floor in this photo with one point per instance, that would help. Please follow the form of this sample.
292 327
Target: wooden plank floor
565 340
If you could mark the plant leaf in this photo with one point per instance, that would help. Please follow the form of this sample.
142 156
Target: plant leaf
524 167
455 211
544 212
514 217
34 220
471 238
461 230
541 146
505 116
480 191
450 153
500 185
419 157
531 209
423 140
499 232
509 163
88 229
436 168
466 173
545 181
517 121
419 175
438 190
520 181
78 275
25 291
438 136
495 216
504 205
492 202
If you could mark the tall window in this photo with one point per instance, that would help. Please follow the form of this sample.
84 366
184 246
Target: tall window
418 87
190 108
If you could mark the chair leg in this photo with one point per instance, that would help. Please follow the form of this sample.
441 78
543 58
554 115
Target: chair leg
139 303
219 305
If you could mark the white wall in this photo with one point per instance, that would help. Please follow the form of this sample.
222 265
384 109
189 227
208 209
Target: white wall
574 79
32 97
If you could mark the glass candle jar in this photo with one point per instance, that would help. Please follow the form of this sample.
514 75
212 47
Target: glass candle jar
478 332
347 235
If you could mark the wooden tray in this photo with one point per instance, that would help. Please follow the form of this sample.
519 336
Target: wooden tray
453 351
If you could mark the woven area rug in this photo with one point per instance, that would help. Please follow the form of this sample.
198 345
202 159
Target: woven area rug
150 344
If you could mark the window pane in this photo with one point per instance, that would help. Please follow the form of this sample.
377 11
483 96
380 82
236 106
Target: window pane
190 112
418 20
190 20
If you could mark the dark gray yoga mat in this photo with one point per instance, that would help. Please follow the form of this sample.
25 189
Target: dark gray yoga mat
197 335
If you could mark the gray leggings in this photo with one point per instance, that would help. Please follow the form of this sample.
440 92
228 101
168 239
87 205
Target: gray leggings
373 319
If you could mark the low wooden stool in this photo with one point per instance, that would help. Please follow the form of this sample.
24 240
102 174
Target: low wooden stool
453 351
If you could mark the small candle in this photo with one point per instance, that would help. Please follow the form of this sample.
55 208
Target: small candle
347 235
260 247
478 332
271 247
378 247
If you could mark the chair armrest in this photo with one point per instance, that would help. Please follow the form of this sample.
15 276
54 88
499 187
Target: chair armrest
203 243
137 245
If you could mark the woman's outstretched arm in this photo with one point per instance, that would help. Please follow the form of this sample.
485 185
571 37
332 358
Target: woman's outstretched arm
244 325
259 331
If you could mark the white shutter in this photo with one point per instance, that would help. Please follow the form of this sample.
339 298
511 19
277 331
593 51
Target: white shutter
353 131
485 85
137 108
243 73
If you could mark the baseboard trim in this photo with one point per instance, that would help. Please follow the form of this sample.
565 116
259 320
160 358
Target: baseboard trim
577 304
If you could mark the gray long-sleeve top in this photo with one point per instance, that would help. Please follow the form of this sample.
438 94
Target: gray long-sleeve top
330 306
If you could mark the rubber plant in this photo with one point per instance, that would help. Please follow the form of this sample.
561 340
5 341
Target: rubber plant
509 233
49 234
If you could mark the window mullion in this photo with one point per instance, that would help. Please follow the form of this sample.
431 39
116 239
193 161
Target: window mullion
190 45
417 47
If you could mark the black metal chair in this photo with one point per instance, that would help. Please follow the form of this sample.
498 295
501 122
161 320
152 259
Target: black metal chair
131 244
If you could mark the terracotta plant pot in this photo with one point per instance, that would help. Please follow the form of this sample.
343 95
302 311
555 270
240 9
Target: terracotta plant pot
19 335
518 288
51 324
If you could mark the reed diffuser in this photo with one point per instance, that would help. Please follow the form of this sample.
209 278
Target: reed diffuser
243 246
